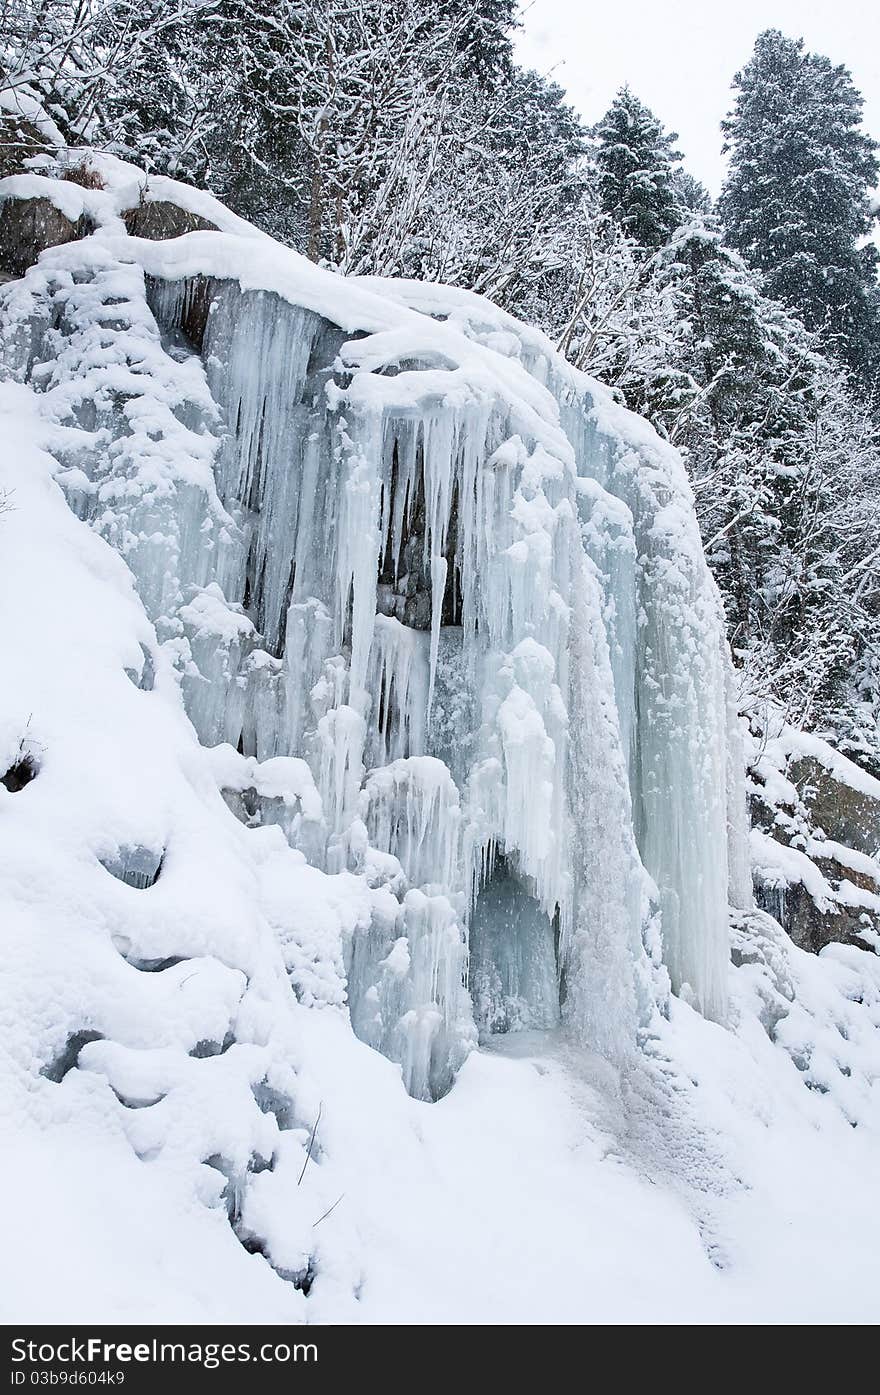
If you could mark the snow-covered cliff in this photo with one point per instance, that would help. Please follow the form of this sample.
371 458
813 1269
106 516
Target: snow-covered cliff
370 568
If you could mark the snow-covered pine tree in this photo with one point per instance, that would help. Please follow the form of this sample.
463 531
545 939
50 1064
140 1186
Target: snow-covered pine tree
785 466
796 200
636 164
483 29
523 148
742 356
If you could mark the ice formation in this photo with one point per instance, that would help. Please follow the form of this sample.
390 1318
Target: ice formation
406 557
369 683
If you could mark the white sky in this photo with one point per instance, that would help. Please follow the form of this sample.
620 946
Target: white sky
679 56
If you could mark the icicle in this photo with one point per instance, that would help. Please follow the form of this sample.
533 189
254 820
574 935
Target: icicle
358 548
341 736
411 809
400 691
741 893
440 451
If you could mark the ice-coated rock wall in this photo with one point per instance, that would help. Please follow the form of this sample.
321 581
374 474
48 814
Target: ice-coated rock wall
437 601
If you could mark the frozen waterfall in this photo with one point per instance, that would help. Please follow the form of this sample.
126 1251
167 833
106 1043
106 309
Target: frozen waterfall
440 602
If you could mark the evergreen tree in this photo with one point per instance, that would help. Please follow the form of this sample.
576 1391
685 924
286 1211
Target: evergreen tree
751 364
483 29
636 165
524 150
796 201
785 466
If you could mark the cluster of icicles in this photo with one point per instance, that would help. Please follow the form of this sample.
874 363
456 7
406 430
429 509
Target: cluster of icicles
476 612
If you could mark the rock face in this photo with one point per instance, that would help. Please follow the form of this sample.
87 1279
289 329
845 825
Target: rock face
816 839
30 225
27 228
810 927
159 220
20 140
194 307
848 815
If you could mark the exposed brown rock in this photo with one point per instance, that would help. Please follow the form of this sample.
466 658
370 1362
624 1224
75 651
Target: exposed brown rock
160 220
19 141
836 871
845 814
27 228
810 928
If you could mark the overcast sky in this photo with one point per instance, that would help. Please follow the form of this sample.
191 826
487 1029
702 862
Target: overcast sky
679 56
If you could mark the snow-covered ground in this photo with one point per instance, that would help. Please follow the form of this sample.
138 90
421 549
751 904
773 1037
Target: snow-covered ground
192 1130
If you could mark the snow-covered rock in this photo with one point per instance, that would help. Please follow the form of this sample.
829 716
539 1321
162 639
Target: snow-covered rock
816 840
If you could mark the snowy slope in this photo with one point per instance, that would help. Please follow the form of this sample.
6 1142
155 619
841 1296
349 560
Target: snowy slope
194 1130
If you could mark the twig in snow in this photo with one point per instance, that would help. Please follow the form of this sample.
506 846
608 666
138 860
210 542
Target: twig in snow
311 1145
327 1213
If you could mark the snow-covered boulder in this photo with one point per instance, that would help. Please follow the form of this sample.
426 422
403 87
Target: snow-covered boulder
816 839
